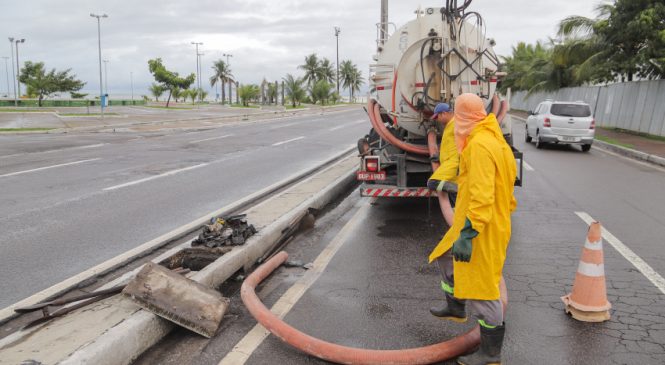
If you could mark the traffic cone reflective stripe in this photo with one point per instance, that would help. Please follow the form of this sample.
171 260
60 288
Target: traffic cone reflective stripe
588 300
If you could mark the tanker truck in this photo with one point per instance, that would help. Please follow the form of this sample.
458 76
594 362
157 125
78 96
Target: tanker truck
434 58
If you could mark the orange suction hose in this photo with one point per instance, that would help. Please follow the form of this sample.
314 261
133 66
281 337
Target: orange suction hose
374 111
342 354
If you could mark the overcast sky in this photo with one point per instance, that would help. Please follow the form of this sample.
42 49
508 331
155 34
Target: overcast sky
266 38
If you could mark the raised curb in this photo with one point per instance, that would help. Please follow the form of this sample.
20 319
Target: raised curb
125 342
623 151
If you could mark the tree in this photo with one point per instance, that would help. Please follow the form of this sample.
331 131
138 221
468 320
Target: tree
321 91
43 83
191 93
76 95
271 93
325 71
222 74
177 93
351 78
311 68
156 90
202 94
168 79
248 92
294 89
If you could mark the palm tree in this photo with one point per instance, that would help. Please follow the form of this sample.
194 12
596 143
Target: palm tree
221 73
271 93
248 92
177 93
325 71
311 67
320 91
156 91
293 89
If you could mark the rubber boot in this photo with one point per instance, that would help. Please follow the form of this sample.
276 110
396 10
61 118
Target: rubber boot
489 353
453 310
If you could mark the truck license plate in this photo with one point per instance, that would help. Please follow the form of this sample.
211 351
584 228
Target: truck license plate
371 176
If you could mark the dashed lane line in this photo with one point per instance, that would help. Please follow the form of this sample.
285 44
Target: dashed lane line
253 339
168 173
212 138
527 166
49 167
57 150
346 125
288 141
628 254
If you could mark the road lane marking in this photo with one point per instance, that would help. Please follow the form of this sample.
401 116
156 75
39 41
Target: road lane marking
346 125
212 138
528 167
248 344
628 254
288 141
49 167
57 150
168 173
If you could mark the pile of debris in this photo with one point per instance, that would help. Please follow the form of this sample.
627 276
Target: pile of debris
230 231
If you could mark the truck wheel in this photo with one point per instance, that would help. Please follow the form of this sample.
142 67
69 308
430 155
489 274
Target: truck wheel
586 147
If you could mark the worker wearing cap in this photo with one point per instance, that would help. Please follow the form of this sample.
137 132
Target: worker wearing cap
444 179
475 246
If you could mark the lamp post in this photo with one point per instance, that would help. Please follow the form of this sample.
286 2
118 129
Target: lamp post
198 74
99 47
337 31
18 67
11 53
228 64
106 78
6 73
131 83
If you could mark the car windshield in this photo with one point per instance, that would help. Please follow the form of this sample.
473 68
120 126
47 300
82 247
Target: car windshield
571 110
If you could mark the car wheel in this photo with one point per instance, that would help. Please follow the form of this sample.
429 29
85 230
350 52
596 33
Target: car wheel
586 147
527 138
539 142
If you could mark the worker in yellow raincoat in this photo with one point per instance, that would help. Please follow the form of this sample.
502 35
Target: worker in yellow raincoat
444 179
472 253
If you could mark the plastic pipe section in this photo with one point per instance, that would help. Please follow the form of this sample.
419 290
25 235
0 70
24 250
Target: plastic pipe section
342 354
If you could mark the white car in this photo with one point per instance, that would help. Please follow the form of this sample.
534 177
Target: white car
561 122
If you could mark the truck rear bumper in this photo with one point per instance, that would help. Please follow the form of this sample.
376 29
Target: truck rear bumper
391 191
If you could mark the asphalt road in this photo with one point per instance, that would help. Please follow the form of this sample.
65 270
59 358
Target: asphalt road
71 201
377 289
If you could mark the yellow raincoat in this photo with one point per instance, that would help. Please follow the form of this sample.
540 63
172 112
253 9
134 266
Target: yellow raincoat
486 181
448 156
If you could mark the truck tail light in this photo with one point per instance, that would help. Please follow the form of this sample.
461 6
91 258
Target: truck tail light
372 163
593 124
547 123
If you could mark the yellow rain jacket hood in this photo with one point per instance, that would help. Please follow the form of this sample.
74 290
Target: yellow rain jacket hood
485 196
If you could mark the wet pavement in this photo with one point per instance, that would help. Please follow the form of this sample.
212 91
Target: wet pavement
377 289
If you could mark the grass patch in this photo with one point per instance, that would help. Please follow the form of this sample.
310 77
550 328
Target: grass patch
652 137
24 129
614 141
14 110
169 108
296 107
246 107
84 114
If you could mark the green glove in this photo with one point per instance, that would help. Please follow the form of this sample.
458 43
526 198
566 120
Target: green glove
462 247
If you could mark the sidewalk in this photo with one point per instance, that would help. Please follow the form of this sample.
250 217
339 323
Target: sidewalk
626 143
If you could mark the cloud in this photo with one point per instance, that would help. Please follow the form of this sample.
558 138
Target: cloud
267 38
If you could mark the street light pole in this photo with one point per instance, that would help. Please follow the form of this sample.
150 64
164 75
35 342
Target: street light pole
131 83
227 55
200 64
228 64
198 74
106 78
7 73
337 31
11 53
99 47
18 67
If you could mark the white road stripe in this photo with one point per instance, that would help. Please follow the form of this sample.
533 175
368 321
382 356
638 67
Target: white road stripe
168 173
210 139
628 254
528 167
57 150
244 349
288 141
49 167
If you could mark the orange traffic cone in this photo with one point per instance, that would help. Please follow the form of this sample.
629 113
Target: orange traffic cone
588 300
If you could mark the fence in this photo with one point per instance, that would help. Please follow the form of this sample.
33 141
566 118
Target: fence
637 106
